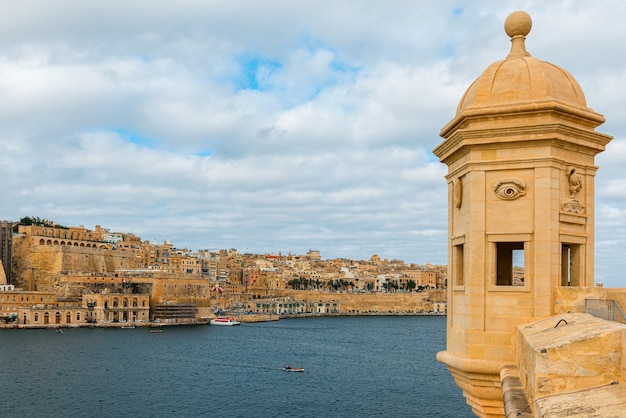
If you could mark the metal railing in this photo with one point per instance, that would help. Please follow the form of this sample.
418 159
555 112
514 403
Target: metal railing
607 309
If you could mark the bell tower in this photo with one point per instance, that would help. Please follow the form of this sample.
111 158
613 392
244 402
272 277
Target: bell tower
520 155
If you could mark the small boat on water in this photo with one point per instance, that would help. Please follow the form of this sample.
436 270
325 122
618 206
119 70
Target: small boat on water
128 327
289 368
223 320
155 331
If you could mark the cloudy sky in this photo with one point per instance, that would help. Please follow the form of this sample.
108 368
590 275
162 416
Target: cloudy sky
276 125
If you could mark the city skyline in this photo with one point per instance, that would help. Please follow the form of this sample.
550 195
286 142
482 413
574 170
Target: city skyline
293 127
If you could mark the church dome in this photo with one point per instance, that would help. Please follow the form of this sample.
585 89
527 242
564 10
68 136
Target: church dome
521 78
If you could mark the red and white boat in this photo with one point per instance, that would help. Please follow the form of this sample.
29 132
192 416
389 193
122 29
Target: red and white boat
223 320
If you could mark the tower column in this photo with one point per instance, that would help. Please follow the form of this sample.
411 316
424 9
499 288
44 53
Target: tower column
520 155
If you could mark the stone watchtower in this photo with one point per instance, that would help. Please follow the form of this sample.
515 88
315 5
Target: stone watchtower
520 154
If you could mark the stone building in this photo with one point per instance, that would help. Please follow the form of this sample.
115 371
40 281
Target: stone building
12 300
520 155
3 276
45 310
6 245
175 313
40 253
50 316
116 307
290 306
421 277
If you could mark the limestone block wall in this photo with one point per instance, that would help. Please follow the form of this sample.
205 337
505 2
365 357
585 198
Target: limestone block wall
569 352
37 267
572 299
618 295
381 302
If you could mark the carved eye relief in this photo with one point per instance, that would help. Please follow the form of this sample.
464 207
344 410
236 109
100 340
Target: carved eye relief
510 188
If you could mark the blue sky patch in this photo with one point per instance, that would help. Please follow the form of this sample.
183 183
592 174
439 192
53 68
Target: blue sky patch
135 138
255 72
449 49
205 153
314 44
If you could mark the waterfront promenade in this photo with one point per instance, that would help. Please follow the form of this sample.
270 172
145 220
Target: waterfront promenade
241 317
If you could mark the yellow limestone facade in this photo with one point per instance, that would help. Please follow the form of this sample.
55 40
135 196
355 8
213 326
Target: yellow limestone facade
520 155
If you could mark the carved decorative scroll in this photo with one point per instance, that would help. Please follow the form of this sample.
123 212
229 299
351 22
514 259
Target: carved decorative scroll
510 188
572 206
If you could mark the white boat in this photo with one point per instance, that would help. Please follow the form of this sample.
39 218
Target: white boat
222 320
289 368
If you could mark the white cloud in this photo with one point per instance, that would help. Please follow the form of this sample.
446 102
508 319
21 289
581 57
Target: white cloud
309 125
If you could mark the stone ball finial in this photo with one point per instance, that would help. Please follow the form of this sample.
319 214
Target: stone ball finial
518 24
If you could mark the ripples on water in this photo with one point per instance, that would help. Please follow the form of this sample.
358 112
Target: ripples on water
355 367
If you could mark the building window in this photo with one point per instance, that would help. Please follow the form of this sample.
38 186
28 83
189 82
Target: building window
570 264
457 264
510 263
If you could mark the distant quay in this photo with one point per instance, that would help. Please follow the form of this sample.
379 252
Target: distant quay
244 318
317 315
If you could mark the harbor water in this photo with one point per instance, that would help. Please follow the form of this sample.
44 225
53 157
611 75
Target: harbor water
354 367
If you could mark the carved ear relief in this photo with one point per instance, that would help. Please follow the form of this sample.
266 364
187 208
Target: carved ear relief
509 188
457 186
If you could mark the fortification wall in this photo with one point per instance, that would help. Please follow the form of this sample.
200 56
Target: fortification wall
37 267
378 302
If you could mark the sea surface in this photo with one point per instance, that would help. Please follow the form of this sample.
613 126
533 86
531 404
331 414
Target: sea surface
354 367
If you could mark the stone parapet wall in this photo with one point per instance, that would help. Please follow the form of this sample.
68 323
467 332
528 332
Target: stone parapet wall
572 299
618 295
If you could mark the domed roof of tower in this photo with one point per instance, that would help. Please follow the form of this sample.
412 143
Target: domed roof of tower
521 78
